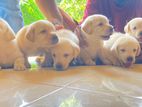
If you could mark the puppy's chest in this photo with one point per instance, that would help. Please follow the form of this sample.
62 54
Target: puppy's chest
94 48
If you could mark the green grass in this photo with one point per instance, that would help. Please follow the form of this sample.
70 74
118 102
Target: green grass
31 13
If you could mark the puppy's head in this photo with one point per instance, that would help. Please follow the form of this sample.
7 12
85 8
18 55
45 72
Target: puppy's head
40 32
98 26
134 28
6 33
126 49
63 53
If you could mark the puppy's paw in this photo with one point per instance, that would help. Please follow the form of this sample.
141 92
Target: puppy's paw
90 62
19 67
19 64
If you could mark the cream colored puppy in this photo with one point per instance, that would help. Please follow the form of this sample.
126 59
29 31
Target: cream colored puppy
134 28
66 50
124 48
10 55
96 29
36 38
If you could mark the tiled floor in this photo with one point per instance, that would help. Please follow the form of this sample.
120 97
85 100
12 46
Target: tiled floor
100 86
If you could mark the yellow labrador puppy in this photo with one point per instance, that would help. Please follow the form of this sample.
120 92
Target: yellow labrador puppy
10 55
36 38
124 48
65 51
134 28
96 29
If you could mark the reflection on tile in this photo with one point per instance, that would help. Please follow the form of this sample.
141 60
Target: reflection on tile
98 86
84 99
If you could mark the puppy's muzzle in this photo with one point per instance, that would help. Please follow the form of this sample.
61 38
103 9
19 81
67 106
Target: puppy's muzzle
111 29
59 67
54 39
130 59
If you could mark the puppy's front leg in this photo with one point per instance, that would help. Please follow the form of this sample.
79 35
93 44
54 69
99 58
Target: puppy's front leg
19 64
87 58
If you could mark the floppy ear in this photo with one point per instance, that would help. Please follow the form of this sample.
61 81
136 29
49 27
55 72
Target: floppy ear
127 28
8 32
10 35
114 49
76 50
138 50
87 27
30 34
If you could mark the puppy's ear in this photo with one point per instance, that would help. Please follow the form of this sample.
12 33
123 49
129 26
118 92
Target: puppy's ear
127 28
138 50
8 32
30 34
10 35
114 49
76 50
87 27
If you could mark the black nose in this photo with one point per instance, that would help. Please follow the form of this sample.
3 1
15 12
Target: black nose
140 33
54 39
111 29
59 67
129 59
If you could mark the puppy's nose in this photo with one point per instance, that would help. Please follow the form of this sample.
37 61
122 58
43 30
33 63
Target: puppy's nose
54 39
140 33
59 67
129 59
111 29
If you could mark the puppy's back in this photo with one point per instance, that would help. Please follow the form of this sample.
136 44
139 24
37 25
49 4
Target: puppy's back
67 34
109 43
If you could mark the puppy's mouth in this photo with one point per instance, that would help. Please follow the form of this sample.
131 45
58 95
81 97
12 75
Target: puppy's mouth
106 37
127 64
139 39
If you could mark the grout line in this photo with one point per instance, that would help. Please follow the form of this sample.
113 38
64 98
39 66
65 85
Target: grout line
49 93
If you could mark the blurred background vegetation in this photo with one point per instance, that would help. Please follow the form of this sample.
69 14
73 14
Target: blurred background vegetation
31 13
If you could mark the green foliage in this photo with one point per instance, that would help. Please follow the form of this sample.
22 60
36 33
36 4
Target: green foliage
31 13
75 8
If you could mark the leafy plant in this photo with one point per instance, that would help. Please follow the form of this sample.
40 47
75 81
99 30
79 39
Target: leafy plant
31 13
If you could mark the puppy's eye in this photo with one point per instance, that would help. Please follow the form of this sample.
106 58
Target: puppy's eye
43 31
54 55
66 55
100 24
134 50
134 28
122 50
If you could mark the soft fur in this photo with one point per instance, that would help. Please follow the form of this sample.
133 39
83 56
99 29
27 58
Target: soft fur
65 51
36 38
134 28
123 49
96 29
10 55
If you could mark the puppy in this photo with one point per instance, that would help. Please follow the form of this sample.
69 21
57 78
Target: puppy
123 49
10 55
96 29
134 28
36 38
65 51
